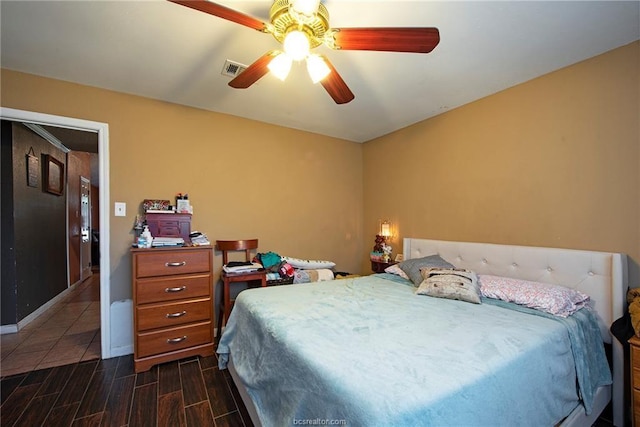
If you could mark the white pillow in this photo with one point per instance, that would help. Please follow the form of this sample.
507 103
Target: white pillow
395 269
308 264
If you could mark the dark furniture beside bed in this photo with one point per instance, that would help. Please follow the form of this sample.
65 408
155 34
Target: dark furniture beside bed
227 247
379 266
635 380
173 304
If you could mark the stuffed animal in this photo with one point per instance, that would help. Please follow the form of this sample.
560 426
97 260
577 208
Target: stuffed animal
379 243
633 299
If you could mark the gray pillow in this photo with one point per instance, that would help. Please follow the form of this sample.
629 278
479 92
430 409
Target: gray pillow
412 266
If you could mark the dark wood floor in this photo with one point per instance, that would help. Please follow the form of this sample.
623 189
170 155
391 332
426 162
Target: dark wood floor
191 392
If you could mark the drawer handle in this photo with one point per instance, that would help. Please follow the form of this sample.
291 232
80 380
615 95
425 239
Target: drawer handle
172 315
180 289
176 340
175 264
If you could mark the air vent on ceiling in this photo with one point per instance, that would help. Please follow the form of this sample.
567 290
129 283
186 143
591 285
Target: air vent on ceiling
232 69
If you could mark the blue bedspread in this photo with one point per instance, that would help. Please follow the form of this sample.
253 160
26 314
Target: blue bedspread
372 353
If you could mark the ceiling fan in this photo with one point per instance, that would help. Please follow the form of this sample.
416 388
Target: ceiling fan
302 25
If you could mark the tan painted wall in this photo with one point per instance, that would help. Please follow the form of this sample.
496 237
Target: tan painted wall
551 162
302 192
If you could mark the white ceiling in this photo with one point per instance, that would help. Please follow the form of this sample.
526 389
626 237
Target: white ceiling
165 51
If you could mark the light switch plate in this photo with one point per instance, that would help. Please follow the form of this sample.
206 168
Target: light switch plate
121 209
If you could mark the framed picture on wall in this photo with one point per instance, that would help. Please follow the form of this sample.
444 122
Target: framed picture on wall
33 169
53 175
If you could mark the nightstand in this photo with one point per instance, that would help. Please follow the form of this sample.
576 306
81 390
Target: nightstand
635 380
379 266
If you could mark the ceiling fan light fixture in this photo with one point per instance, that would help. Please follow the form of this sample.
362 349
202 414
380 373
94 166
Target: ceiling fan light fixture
280 66
317 68
296 45
305 7
303 25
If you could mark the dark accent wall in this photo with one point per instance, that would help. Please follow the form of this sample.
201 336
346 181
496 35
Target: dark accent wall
38 244
7 249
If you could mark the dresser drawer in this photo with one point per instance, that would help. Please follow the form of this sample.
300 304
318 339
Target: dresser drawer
635 379
167 224
170 288
166 263
169 228
170 231
636 408
153 316
172 339
635 357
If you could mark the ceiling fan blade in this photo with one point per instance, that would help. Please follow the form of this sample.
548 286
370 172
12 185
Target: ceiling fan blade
335 86
254 72
223 12
416 40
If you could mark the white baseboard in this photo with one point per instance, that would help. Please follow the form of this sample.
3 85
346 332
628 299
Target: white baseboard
8 329
121 351
12 329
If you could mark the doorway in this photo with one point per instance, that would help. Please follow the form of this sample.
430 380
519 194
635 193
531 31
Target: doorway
102 131
85 228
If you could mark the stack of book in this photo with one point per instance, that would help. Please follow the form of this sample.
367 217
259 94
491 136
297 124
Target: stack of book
242 267
167 241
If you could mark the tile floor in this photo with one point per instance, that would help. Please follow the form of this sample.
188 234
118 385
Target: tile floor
69 332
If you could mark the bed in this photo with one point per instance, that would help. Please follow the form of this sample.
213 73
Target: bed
369 351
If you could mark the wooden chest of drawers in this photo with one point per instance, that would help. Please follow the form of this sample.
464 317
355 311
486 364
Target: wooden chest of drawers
635 380
173 304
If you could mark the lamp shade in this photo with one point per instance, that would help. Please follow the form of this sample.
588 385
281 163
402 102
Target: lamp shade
385 229
280 66
296 45
317 68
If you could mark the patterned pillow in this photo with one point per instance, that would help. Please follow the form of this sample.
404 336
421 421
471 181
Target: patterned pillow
554 299
395 269
412 267
450 283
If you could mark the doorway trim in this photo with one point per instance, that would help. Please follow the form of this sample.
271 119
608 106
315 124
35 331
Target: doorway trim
102 129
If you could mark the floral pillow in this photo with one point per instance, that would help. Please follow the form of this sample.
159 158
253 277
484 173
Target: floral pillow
554 299
395 269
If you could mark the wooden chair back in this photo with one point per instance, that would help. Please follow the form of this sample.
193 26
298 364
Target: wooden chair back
226 246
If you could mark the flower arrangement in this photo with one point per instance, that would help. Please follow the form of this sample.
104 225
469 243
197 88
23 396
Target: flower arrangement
386 250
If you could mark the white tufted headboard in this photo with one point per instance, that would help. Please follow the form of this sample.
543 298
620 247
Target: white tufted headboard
601 275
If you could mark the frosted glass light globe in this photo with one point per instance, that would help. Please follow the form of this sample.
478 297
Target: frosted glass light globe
296 44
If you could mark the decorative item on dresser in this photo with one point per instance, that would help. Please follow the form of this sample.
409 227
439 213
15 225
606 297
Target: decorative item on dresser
173 304
635 380
169 224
